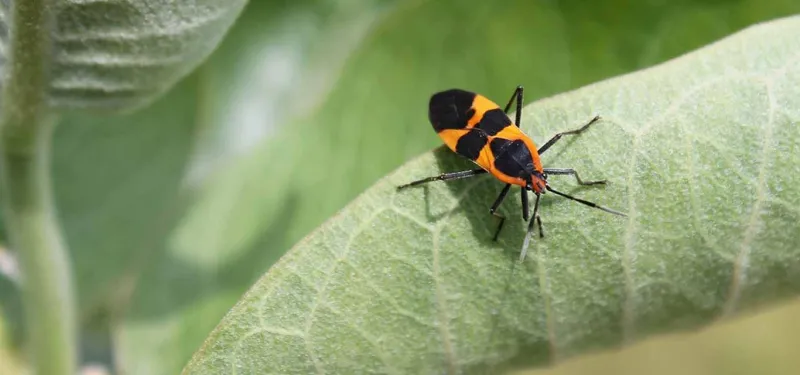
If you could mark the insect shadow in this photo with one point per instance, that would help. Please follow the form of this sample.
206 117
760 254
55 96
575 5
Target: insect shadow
475 196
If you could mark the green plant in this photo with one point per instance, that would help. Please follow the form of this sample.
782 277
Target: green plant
171 214
61 56
700 150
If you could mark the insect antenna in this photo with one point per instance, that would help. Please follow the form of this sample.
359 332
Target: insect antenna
590 204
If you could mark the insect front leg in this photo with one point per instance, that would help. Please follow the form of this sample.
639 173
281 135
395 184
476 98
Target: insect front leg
570 171
558 136
494 207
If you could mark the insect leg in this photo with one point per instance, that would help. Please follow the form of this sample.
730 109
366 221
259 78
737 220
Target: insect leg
590 204
525 205
539 221
518 96
494 207
569 132
534 220
568 171
445 177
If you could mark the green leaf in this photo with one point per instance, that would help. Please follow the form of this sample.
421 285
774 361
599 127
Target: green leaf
702 152
61 55
121 54
119 180
338 150
118 177
259 81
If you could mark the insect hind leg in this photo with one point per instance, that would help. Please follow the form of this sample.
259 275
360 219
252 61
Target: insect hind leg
444 177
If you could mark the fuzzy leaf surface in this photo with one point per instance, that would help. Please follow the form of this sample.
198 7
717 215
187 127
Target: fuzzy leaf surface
703 154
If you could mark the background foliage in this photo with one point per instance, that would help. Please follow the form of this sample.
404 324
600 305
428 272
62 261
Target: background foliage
174 211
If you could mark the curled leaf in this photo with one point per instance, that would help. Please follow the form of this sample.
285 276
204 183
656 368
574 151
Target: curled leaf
120 54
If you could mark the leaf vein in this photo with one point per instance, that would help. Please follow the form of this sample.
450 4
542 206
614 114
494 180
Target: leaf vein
754 220
544 289
444 324
628 252
329 275
388 297
177 28
694 199
684 97
378 350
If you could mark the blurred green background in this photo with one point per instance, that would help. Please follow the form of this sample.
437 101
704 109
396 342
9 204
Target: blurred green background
172 212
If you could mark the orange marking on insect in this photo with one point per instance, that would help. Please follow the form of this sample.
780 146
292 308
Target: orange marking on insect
480 105
476 128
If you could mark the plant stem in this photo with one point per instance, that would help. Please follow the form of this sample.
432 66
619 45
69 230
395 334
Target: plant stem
26 129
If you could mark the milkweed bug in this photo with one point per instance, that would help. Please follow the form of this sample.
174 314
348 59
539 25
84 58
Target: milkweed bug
474 127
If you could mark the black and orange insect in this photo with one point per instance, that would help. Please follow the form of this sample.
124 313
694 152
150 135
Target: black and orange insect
476 128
